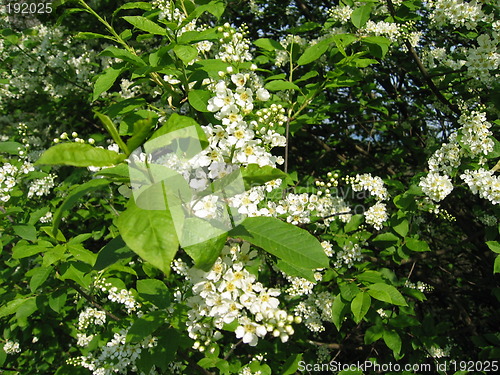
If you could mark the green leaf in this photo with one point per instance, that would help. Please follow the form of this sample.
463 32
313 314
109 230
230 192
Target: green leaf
386 293
354 223
150 234
12 148
373 334
360 306
87 35
496 266
25 251
292 270
145 326
111 129
378 45
371 277
28 232
360 15
111 253
199 99
177 122
314 52
154 291
134 5
268 44
124 55
279 85
286 241
385 240
416 245
105 81
77 271
494 246
204 254
79 155
186 53
141 132
39 276
82 254
401 226
13 306
339 309
292 364
142 23
392 340
255 175
57 300
73 197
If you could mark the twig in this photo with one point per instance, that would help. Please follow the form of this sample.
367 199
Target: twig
91 300
422 68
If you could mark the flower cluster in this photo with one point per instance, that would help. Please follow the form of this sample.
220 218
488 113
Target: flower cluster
376 215
315 310
350 253
484 183
117 356
419 285
456 13
234 47
436 186
9 178
341 13
476 136
50 51
374 185
41 186
11 347
230 293
91 316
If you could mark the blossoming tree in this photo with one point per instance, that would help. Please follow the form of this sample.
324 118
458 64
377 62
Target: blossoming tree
249 187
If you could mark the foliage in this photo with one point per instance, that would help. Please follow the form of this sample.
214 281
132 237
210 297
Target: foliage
249 187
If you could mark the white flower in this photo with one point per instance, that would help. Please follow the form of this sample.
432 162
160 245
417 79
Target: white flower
436 186
11 347
250 331
376 215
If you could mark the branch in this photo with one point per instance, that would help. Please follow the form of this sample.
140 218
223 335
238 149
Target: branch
422 68
91 300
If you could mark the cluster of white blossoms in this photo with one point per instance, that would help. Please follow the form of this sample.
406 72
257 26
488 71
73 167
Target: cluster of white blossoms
436 186
374 185
121 296
483 183
391 30
300 286
457 13
91 316
117 356
377 214
10 176
341 13
419 285
11 347
350 253
282 56
476 136
229 293
234 47
41 186
50 51
484 57
315 310
475 141
170 13
47 218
